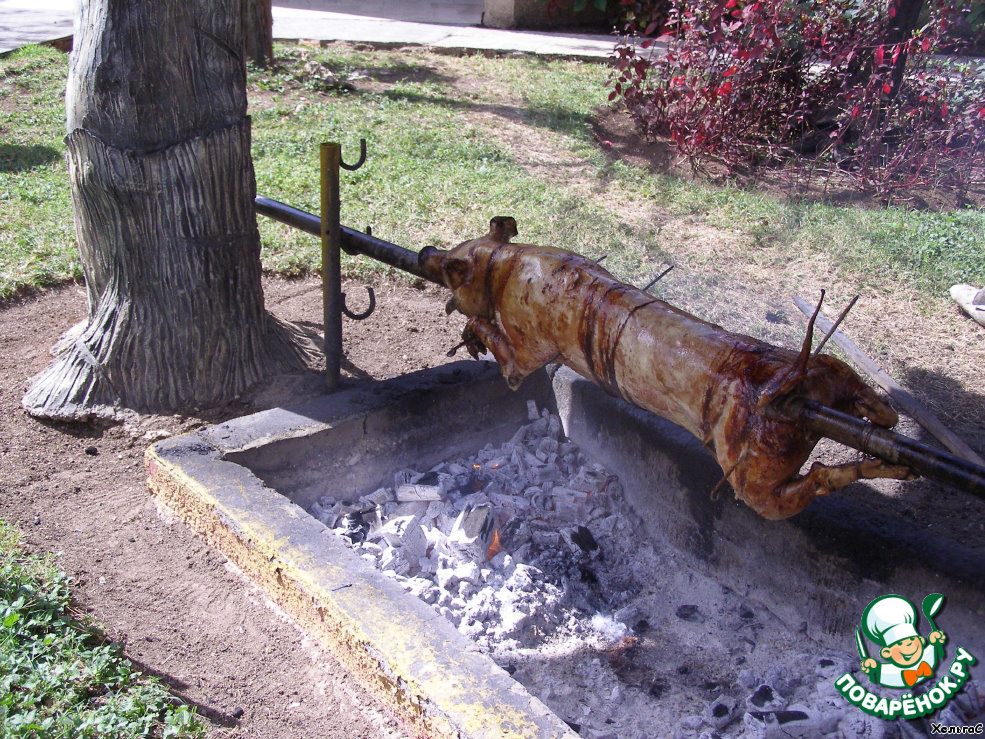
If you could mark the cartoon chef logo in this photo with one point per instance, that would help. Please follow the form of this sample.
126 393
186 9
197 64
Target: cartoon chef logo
908 659
891 622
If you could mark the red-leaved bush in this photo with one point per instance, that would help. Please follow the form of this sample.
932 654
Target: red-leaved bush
751 82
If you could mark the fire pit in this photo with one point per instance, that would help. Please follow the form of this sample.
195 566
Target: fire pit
712 620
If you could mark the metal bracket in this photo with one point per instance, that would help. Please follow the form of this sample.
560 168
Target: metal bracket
361 161
366 313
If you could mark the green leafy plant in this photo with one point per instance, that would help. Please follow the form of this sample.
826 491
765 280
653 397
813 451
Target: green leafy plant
58 676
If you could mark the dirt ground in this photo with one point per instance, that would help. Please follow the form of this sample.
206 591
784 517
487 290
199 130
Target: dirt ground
173 604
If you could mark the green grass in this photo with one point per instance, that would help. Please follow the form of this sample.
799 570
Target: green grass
58 676
437 170
37 243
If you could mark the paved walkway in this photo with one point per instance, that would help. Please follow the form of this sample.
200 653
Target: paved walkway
25 22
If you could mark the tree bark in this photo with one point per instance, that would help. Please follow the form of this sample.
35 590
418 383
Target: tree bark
259 31
901 28
162 188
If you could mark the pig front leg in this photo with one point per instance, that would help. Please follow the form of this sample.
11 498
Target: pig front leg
481 334
516 359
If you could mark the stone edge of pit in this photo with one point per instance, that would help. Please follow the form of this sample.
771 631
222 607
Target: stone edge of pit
409 657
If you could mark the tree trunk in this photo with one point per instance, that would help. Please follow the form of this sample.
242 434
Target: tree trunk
162 187
259 31
901 27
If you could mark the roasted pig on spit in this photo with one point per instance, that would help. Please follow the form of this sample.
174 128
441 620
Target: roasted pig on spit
531 305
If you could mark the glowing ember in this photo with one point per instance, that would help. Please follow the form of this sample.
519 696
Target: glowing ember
495 547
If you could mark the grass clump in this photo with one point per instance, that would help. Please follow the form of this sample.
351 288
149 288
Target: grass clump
58 676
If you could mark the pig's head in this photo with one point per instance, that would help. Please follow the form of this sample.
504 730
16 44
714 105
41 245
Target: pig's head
463 269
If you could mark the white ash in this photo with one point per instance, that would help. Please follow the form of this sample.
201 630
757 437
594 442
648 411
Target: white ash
619 635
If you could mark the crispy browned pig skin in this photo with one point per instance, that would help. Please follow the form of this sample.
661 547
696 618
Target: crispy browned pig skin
531 305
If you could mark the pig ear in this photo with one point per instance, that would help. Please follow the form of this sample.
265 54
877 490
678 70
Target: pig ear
456 272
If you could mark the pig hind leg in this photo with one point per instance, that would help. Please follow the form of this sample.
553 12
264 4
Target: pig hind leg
797 494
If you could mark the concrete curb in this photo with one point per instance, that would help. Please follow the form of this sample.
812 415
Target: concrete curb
408 656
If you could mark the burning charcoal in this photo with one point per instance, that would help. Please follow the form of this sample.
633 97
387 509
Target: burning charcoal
493 487
569 504
518 460
765 699
508 505
608 526
417 492
522 553
592 481
497 462
503 563
416 508
434 510
473 531
326 511
405 532
519 435
537 428
514 532
583 539
721 711
544 473
377 498
546 448
545 540
354 527
541 501
532 413
406 477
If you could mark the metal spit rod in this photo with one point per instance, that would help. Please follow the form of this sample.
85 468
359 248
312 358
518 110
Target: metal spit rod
887 446
848 430
353 242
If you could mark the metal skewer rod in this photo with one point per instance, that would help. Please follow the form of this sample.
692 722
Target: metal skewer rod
353 242
835 326
656 279
887 445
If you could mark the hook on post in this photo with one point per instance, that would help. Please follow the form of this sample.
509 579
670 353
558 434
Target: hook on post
366 313
361 160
